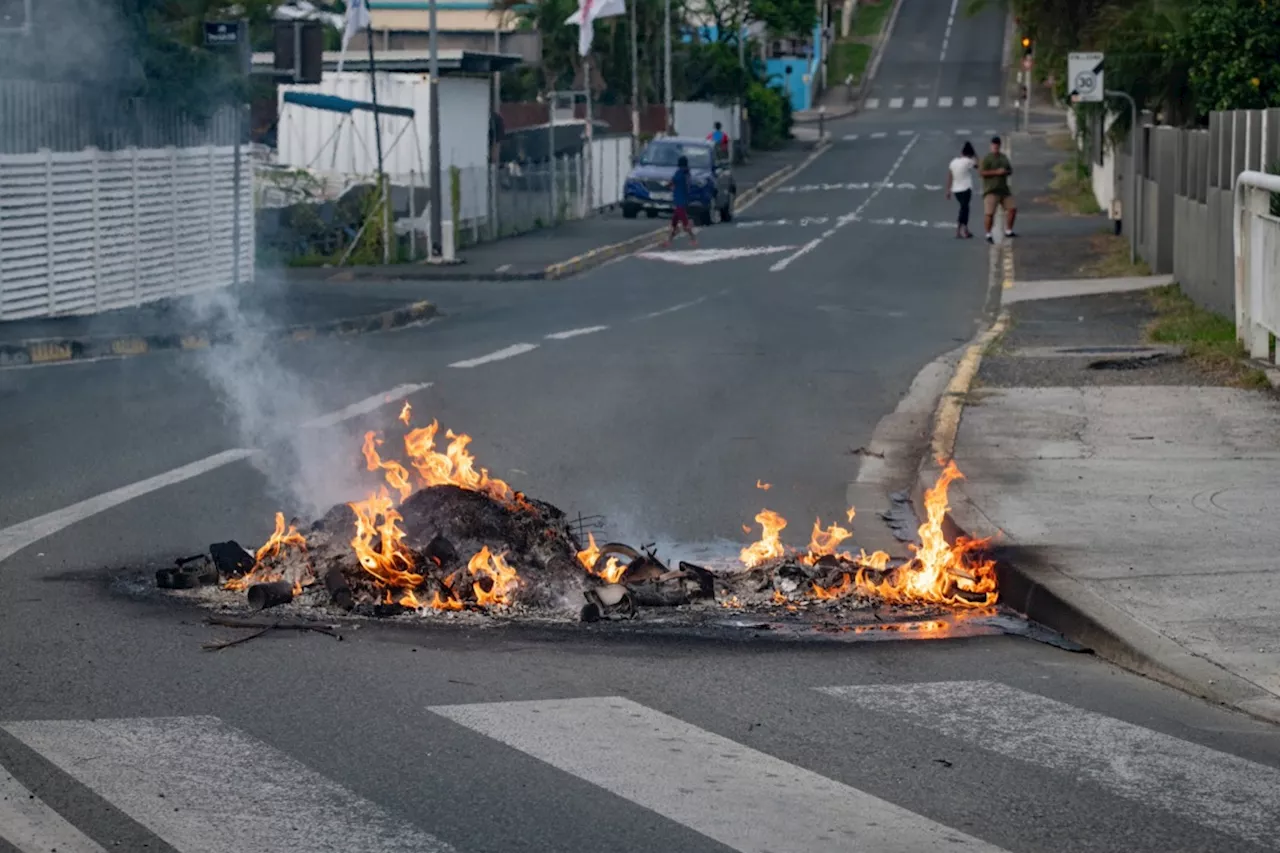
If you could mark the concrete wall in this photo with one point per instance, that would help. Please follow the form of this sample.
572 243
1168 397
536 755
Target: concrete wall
1183 225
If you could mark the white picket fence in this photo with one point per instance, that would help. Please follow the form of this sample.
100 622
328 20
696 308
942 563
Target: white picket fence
90 231
1257 253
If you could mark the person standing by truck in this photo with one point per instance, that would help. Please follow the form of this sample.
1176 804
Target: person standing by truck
680 202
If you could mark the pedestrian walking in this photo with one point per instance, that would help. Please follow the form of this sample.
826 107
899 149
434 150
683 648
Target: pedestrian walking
680 202
719 139
995 170
960 184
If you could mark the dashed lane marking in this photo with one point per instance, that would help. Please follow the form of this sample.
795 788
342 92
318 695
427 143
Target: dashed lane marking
573 333
502 354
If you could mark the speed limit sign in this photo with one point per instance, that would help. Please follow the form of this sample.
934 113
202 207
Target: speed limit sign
1084 75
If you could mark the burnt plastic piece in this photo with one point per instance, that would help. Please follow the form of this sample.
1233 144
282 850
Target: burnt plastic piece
706 580
264 595
442 551
230 558
164 578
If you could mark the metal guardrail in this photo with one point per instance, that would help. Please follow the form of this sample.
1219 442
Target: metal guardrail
1256 233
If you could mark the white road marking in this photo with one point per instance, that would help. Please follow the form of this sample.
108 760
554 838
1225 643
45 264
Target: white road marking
573 333
933 188
946 36
993 101
693 257
873 103
965 132
850 137
905 132
944 101
1230 794
993 133
920 103
850 217
14 539
367 405
742 798
672 309
509 352
970 101
204 786
895 103
879 135
28 824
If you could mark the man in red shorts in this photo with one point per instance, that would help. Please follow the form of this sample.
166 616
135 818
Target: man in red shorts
680 201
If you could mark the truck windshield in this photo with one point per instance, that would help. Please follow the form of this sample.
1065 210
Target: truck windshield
669 153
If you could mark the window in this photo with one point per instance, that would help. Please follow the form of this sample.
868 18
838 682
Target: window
665 153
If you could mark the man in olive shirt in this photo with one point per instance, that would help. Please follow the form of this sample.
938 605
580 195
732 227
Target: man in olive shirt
995 170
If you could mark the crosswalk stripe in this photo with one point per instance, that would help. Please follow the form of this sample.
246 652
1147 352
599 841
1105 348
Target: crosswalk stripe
744 799
993 101
1222 791
850 137
201 785
873 103
920 103
895 103
944 101
28 824
970 101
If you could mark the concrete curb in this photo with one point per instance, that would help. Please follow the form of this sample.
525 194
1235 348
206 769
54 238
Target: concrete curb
748 197
1042 592
54 350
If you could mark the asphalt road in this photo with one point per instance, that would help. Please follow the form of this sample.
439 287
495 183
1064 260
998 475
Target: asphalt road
681 385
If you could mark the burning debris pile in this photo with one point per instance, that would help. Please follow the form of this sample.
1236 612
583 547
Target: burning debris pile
441 535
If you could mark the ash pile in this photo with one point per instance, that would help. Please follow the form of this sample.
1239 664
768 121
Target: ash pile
442 537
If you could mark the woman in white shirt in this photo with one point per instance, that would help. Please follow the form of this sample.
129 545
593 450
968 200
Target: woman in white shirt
960 184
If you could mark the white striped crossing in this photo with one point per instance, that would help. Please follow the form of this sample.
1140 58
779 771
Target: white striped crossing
1221 791
942 101
32 827
201 785
745 799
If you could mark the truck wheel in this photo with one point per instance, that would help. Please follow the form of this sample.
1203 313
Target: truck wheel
726 212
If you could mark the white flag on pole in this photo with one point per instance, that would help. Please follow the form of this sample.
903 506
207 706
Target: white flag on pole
588 12
357 20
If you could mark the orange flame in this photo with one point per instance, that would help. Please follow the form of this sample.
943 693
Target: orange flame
406 413
590 556
379 544
840 590
763 486
939 573
503 576
824 542
440 603
770 545
849 513
397 476
456 466
273 548
778 597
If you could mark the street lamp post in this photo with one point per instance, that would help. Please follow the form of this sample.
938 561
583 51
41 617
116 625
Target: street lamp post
667 99
437 240
635 79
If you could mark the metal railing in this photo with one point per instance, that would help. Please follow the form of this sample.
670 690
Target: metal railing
1256 232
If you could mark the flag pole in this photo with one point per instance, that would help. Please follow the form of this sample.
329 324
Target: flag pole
384 202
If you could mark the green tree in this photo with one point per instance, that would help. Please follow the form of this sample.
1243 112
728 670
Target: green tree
1233 47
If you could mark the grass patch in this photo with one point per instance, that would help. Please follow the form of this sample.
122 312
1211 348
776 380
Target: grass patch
1111 259
1209 338
849 58
1072 190
869 17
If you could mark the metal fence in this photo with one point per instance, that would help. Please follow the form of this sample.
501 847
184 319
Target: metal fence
35 116
1183 222
500 201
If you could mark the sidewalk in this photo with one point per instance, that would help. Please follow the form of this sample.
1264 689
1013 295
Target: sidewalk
305 302
1130 488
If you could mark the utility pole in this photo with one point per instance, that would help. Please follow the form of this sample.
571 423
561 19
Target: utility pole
742 63
667 99
1135 143
433 128
635 79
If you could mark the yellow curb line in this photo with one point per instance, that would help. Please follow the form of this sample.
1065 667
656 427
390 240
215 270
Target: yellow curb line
947 419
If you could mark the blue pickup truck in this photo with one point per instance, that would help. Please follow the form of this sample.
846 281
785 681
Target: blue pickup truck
712 191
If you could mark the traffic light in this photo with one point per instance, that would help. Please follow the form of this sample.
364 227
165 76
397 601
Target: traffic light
1026 46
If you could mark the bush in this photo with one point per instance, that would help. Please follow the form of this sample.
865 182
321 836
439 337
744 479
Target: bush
769 115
